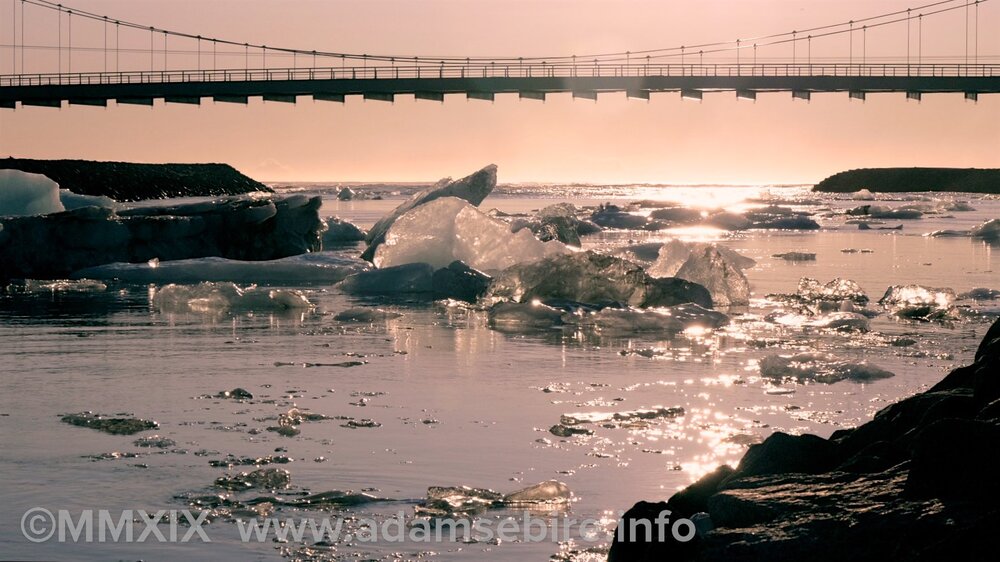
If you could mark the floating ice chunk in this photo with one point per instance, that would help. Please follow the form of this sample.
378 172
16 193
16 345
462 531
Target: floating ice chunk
217 297
989 230
646 252
796 256
548 492
25 194
445 500
339 231
884 212
62 285
674 254
449 229
863 195
981 294
524 315
72 200
366 315
473 189
658 412
729 221
819 367
916 301
844 321
613 216
677 215
589 277
346 194
400 279
319 267
668 319
836 291
715 267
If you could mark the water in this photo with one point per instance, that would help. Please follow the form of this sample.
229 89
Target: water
458 403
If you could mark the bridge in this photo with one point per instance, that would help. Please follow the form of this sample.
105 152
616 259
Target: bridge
731 66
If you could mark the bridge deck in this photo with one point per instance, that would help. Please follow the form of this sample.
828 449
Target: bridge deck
431 82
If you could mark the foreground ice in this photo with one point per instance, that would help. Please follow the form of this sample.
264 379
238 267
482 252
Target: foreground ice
473 189
588 277
457 281
917 301
670 319
319 267
60 285
72 200
339 231
819 367
447 500
219 297
239 228
25 194
835 291
449 229
989 230
717 268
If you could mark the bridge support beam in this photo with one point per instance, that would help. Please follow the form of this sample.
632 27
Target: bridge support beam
283 98
380 97
856 95
637 94
320 96
135 101
583 95
42 103
746 95
528 95
801 95
972 96
915 96
687 94
485 96
429 96
187 100
231 99
8 104
101 102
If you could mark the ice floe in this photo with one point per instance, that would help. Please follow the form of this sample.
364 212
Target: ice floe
917 301
717 268
216 297
819 367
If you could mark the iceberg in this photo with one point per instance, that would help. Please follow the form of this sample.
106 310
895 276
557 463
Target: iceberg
449 229
220 297
613 216
836 291
916 301
339 232
593 278
677 215
238 228
318 267
26 194
72 200
717 268
473 189
524 315
819 367
988 230
457 281
671 319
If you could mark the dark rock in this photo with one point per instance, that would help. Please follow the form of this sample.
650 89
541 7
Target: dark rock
639 538
694 498
954 458
107 424
126 181
459 281
561 430
782 453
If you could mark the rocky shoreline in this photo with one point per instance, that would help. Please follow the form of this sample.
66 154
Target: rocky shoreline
127 181
896 180
912 484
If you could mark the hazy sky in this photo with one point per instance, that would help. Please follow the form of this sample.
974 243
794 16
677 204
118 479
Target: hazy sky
615 140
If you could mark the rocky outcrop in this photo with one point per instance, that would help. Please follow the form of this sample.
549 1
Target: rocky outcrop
892 180
915 483
239 228
473 188
127 181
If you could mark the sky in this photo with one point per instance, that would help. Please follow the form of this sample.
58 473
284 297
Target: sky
615 140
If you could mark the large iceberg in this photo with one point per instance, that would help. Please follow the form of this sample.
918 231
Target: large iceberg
473 188
593 278
449 229
318 267
717 268
25 194
239 228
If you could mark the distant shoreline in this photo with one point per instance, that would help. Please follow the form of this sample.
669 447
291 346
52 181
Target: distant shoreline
127 181
896 180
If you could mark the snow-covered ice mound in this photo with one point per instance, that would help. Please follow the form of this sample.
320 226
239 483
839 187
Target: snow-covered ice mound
25 194
449 229
819 367
717 268
318 267
220 297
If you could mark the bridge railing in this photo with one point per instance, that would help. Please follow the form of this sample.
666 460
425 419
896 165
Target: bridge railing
493 70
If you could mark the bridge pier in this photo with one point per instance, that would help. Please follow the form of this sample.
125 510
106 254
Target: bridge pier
585 95
856 95
972 96
429 96
528 95
135 101
801 95
694 95
379 97
231 99
915 96
321 96
485 96
282 98
96 102
637 94
187 100
746 95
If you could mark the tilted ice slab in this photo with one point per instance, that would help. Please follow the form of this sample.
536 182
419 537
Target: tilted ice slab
239 228
219 297
26 194
449 229
819 367
318 267
473 188
717 268
917 301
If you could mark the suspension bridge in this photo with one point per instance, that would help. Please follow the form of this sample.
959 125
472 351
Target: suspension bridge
135 63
